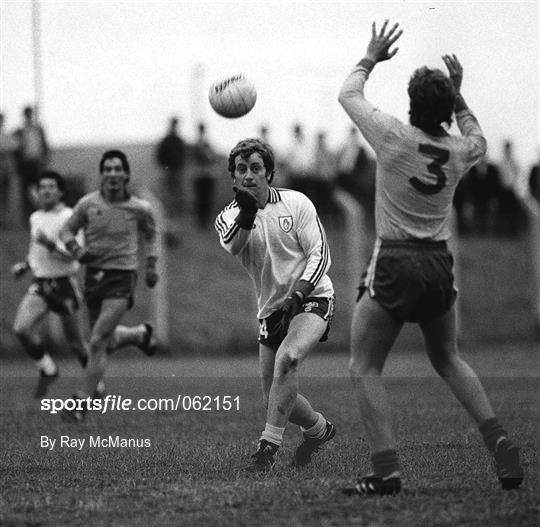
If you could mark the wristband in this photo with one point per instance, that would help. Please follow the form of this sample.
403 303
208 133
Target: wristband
459 103
366 64
303 288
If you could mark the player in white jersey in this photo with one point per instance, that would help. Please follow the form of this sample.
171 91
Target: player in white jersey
409 278
279 240
54 287
113 221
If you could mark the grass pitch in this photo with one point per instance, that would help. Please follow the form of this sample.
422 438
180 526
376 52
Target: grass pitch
191 475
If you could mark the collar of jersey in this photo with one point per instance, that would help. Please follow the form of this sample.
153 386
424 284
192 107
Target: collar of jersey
57 208
273 195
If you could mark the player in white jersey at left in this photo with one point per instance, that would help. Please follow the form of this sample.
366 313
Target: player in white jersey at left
54 287
279 240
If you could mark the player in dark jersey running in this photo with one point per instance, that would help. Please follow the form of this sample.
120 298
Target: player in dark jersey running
112 221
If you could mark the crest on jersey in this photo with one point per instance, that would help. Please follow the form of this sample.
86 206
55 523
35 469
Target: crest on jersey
285 222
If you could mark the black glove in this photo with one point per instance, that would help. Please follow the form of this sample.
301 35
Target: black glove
293 303
248 208
246 200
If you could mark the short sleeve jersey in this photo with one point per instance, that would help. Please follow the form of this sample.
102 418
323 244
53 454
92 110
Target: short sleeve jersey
44 263
111 230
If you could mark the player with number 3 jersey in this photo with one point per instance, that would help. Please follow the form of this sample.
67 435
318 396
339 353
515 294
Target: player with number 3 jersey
409 277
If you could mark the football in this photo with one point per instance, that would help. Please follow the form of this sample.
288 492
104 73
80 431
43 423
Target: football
232 96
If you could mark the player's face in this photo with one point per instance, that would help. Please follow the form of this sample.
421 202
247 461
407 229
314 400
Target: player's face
114 178
251 174
48 193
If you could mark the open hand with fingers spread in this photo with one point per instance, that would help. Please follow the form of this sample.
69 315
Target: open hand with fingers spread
455 70
379 47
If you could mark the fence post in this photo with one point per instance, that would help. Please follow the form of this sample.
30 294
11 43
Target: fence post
355 221
159 301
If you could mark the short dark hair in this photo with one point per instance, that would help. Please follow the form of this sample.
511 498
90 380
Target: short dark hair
432 99
246 147
51 174
110 154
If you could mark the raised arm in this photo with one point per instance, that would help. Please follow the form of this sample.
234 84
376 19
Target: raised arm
455 72
467 123
372 122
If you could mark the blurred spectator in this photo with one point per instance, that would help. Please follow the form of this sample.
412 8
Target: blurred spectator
279 162
356 172
463 206
7 171
534 182
323 176
264 134
204 158
31 157
531 199
299 162
511 217
171 156
482 185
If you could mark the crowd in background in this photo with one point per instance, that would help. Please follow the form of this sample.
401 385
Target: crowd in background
24 154
497 198
491 200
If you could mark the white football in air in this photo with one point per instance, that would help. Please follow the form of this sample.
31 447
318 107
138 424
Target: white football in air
232 96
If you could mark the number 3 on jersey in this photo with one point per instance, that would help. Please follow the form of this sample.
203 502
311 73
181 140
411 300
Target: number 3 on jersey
440 156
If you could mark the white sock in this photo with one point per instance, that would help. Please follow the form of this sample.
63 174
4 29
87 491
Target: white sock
318 429
125 335
46 364
273 434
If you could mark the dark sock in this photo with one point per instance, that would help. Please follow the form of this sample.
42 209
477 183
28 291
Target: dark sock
36 351
385 463
83 359
492 431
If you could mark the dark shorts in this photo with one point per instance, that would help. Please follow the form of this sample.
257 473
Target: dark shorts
272 335
102 284
412 279
61 294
